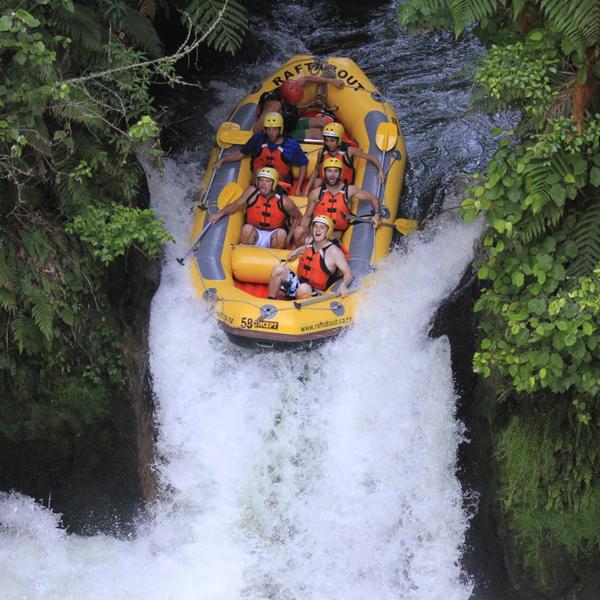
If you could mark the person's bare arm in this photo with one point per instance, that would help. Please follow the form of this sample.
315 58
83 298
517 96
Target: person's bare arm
355 192
339 260
294 212
301 176
231 157
338 83
312 202
234 206
352 152
292 256
315 171
270 106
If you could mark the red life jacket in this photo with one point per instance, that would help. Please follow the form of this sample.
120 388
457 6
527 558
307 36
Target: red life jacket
347 175
266 213
333 205
312 268
271 158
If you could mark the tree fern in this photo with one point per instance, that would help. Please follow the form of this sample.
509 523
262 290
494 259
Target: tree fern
18 328
466 12
139 29
587 238
579 21
82 25
226 19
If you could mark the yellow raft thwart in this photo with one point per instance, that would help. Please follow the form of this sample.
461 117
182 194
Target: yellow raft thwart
234 277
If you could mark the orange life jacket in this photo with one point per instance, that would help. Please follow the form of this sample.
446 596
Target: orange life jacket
347 175
333 205
266 213
312 268
271 158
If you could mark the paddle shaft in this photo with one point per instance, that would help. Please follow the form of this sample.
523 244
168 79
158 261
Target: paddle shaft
302 303
195 244
212 178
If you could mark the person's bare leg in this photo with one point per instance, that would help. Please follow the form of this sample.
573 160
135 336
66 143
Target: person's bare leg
249 235
278 274
304 291
279 239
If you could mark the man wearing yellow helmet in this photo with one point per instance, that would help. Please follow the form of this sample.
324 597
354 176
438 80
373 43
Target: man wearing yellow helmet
272 148
323 260
268 211
333 199
334 146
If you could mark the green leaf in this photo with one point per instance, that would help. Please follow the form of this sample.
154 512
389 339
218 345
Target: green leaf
518 278
595 176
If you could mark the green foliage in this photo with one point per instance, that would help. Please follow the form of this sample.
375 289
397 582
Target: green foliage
519 75
539 265
547 483
75 106
231 17
61 361
111 230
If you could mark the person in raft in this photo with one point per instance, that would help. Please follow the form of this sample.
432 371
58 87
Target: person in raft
323 259
335 147
268 208
332 199
272 148
285 98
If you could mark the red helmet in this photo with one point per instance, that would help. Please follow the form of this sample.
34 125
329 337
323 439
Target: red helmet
291 91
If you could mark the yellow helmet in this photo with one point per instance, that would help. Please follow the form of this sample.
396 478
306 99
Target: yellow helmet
273 119
268 173
326 221
335 130
334 163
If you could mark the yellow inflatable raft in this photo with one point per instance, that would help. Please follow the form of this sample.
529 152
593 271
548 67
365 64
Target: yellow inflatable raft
234 277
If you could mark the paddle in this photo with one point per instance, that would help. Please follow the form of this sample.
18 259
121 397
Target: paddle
386 137
404 226
232 191
230 134
302 303
226 131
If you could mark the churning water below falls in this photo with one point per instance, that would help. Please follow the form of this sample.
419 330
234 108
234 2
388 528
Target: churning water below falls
327 474
321 475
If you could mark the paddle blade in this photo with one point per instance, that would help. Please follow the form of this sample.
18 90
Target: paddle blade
228 127
231 192
386 136
230 134
405 226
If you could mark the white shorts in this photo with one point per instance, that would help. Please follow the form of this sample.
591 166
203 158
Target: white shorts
264 237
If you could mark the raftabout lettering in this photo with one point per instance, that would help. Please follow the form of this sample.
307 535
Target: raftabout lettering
343 74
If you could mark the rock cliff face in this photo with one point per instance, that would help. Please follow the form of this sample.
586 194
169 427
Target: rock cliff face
131 286
100 478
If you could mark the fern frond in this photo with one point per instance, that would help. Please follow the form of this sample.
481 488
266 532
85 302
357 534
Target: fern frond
227 18
18 328
579 21
466 12
83 26
41 310
37 244
8 300
587 237
140 31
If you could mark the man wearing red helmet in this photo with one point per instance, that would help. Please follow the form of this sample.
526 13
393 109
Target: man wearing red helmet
285 98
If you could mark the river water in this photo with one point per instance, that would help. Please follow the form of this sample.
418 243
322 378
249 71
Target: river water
325 475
